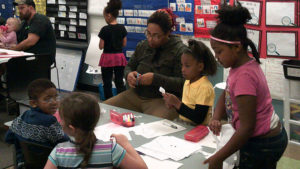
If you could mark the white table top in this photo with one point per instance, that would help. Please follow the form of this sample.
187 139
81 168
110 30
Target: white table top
6 54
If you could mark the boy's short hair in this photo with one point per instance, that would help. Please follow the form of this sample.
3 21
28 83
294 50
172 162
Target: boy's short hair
38 86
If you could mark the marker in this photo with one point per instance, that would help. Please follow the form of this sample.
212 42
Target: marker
169 125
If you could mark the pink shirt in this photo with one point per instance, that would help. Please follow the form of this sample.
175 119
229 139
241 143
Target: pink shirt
249 79
9 39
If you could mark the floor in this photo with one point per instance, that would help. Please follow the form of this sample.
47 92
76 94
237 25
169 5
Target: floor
290 159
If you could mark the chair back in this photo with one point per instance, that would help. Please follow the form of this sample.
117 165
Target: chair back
35 155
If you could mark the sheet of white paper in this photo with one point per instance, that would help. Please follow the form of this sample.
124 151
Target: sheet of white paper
281 44
50 1
254 9
62 8
275 77
280 13
72 28
93 53
153 163
157 128
208 141
104 132
170 147
72 15
73 8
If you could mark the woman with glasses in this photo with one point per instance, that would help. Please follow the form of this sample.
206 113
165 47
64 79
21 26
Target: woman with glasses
154 64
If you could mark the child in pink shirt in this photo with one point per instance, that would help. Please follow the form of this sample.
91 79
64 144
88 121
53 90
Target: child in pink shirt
259 136
8 37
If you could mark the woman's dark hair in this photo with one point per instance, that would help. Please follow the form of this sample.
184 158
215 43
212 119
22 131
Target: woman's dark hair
202 54
82 112
231 26
165 18
38 86
113 7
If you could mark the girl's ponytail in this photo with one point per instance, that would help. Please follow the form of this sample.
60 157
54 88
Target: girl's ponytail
85 141
253 49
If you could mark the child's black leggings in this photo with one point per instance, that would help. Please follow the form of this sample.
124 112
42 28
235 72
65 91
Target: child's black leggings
107 75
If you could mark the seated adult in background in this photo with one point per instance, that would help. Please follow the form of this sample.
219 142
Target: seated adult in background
36 34
155 62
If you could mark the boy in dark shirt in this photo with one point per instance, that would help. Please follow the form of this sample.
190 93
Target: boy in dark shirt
38 124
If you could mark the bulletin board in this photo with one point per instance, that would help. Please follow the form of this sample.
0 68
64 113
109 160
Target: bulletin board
69 19
205 17
6 8
278 24
184 9
134 15
274 29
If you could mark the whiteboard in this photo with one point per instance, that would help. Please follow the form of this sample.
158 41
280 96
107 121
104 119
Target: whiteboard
68 64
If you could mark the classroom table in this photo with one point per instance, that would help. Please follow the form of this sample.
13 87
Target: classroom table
192 162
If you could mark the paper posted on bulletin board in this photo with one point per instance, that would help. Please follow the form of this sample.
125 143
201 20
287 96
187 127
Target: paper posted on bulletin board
272 68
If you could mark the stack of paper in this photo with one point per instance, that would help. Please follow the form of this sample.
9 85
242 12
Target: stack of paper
165 147
157 128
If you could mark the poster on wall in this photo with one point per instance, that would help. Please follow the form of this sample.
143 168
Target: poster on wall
286 17
282 44
255 37
205 17
255 10
184 9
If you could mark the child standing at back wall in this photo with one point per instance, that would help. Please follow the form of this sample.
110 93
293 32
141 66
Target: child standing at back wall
259 135
37 125
80 113
198 93
8 37
112 40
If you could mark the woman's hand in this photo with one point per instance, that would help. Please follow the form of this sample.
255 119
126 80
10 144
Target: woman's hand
171 101
131 79
215 126
214 163
146 79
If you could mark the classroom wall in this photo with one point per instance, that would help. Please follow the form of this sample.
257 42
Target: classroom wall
96 22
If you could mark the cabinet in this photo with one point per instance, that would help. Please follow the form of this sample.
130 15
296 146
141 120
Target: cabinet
292 110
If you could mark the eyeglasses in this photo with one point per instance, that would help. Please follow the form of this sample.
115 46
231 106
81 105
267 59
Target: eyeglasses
51 99
155 36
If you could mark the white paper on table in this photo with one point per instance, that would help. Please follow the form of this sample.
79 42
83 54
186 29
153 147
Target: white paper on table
104 132
281 44
170 147
254 10
157 128
208 141
280 13
153 163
